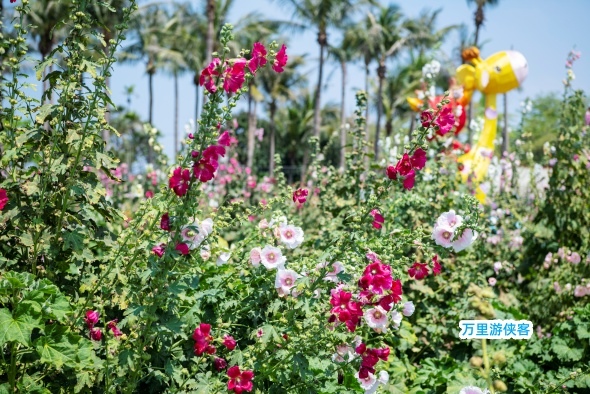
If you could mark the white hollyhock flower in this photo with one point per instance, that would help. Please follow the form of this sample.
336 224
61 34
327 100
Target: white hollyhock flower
376 318
290 235
255 256
396 317
473 390
272 257
285 281
465 240
409 308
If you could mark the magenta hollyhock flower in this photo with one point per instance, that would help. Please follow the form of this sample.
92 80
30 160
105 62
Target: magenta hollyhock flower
300 195
212 154
208 75
203 170
95 334
239 381
3 198
202 337
165 222
182 248
406 167
258 57
436 267
418 159
347 311
91 318
219 363
180 181
234 76
376 278
159 250
445 121
378 219
112 325
418 271
426 118
280 60
229 342
224 139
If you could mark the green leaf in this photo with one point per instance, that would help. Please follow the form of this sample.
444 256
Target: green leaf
17 328
44 111
61 347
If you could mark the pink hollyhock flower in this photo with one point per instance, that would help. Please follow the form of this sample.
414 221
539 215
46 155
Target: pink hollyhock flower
202 337
376 318
260 333
580 291
497 267
492 281
378 219
159 250
465 240
95 334
300 195
332 275
473 390
290 235
203 170
449 219
272 257
194 234
280 60
255 256
224 139
285 281
409 308
219 363
180 181
418 271
445 121
574 258
91 318
258 57
396 318
3 198
341 351
208 75
367 382
229 342
436 267
372 256
239 381
251 182
165 222
149 194
112 325
182 248
234 76
426 118
443 236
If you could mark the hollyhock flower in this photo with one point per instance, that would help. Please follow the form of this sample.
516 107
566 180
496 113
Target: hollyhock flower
342 351
219 363
497 267
445 121
149 194
418 271
255 256
280 60
165 222
180 181
159 250
207 77
182 248
290 235
395 295
223 258
229 342
202 337
234 76
574 258
426 118
556 287
376 319
465 240
347 311
272 257
224 139
372 256
406 167
367 382
258 57
203 170
95 334
449 219
418 159
212 154
285 281
580 291
473 390
443 236
376 278
205 252
396 318
91 318
300 195
112 325
239 381
194 234
409 308
3 198
260 332
492 281
378 219
332 275
382 379
263 224
436 267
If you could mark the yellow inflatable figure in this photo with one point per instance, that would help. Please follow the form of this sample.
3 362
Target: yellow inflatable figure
499 73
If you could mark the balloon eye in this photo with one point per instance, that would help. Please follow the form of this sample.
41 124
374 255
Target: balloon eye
498 69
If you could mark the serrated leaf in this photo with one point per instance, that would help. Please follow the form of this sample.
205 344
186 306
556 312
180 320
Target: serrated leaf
61 347
17 328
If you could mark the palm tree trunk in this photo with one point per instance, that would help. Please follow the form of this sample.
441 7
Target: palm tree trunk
271 161
343 117
150 110
106 135
381 74
505 128
209 36
251 130
412 124
322 40
196 82
175 114
368 101
479 16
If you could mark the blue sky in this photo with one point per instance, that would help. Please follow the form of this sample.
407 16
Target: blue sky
543 30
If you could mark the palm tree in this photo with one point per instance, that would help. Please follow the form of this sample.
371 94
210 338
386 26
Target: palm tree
321 14
279 87
343 54
195 51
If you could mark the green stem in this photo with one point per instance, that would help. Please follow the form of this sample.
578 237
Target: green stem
486 363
